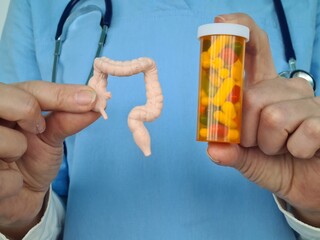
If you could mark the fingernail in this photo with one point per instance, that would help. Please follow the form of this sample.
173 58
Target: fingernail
41 125
223 18
219 19
85 97
213 160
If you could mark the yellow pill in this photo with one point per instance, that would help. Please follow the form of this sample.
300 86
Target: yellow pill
233 134
219 43
204 101
237 71
223 92
229 109
217 63
237 107
223 119
203 93
224 73
215 80
205 60
203 132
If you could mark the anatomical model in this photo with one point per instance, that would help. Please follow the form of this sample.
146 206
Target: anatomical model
146 113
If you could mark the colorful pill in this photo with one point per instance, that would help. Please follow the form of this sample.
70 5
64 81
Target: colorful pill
219 43
235 94
203 132
233 134
229 56
237 106
215 80
237 71
204 120
205 60
223 92
224 73
203 93
217 63
229 109
202 109
224 119
238 48
218 130
204 101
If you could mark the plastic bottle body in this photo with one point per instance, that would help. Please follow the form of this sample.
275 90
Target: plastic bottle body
221 75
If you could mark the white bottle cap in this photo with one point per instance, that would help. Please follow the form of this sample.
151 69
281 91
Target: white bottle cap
223 29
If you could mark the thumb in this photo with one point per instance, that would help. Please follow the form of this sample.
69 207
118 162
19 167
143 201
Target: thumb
70 107
63 124
258 61
253 164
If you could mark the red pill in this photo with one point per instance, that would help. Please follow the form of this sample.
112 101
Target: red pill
229 56
218 129
235 94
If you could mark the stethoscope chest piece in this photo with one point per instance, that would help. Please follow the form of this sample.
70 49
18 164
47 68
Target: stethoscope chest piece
298 73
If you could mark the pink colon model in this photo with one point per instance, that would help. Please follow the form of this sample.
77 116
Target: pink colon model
146 113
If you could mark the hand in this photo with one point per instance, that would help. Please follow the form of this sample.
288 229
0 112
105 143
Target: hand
280 140
31 145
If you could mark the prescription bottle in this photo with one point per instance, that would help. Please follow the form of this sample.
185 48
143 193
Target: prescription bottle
221 72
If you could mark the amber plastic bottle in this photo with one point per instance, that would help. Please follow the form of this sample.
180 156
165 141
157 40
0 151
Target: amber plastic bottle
221 73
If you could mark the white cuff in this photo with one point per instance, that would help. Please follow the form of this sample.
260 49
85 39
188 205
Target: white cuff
51 223
306 232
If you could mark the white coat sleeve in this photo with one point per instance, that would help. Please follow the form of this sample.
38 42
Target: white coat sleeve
51 224
305 231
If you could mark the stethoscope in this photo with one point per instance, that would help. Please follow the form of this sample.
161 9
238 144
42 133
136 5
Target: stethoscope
289 51
59 37
106 21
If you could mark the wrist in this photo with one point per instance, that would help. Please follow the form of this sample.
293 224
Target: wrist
309 217
19 225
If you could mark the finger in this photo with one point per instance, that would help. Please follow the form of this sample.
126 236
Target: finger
305 141
263 94
253 164
11 182
13 144
280 120
60 97
20 106
61 125
258 61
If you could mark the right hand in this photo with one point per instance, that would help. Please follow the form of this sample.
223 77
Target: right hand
31 145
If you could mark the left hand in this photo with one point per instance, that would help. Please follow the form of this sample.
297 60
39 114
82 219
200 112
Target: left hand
280 139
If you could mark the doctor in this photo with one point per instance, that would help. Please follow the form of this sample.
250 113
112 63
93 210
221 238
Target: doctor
106 188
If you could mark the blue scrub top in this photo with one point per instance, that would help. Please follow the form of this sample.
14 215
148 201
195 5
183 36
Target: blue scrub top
114 192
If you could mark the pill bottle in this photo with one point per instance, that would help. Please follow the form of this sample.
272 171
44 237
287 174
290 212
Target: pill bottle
221 73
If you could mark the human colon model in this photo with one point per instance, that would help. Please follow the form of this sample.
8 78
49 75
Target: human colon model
140 114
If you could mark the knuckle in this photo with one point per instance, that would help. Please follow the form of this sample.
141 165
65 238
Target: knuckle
250 98
311 127
59 97
273 117
31 106
299 152
301 86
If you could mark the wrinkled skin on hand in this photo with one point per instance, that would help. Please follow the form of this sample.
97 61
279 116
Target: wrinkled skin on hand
31 145
280 140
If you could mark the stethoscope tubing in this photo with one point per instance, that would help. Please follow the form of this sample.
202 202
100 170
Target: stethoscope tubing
65 17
